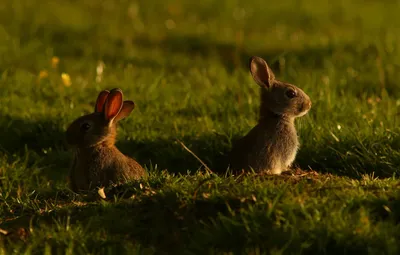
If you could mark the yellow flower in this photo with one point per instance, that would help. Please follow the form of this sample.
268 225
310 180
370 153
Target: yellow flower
54 62
43 74
66 79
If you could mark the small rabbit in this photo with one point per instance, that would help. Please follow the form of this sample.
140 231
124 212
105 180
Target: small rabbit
271 146
97 162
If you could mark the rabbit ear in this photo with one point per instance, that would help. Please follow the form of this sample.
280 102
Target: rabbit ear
101 99
113 105
127 108
260 71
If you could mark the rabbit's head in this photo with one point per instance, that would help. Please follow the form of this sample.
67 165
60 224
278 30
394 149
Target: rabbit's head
278 97
100 126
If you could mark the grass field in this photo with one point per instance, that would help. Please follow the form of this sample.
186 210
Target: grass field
184 64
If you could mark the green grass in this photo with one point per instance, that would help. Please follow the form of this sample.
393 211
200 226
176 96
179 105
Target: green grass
184 64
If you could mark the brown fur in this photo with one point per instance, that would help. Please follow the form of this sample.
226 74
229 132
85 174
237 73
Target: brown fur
96 161
271 146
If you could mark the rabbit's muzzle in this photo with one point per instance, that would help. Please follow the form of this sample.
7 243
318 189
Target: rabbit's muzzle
304 108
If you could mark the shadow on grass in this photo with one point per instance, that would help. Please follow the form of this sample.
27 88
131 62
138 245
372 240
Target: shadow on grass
44 141
69 42
40 142
231 55
348 158
171 223
375 156
161 221
172 156
38 136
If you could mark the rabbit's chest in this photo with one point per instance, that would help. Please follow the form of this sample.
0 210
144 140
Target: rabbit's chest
104 168
290 155
286 145
95 168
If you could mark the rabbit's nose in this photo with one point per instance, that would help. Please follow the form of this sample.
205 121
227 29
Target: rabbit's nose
306 106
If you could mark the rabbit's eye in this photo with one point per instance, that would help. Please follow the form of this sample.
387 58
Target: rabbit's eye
85 127
291 93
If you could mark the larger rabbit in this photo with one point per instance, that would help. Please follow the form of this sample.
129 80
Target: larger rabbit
97 162
271 146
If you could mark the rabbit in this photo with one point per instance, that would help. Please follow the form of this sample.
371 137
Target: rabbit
96 161
271 146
